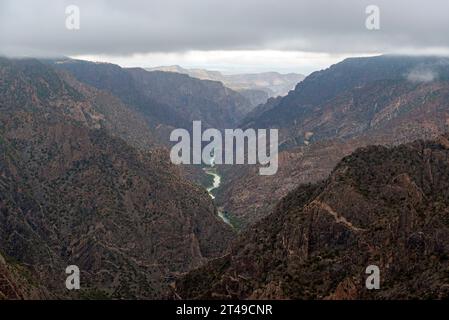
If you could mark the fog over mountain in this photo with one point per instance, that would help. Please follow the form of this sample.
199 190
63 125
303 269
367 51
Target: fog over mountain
275 33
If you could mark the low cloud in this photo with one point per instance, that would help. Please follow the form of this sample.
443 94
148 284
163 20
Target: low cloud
422 75
121 28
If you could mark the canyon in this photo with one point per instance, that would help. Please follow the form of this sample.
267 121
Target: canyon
355 103
86 179
380 206
76 188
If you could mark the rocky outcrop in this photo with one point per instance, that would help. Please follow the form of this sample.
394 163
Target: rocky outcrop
387 207
76 187
355 103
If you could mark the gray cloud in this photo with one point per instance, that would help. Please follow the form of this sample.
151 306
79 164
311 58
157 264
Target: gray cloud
117 27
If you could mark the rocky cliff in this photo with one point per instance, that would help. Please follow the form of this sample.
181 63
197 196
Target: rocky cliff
387 207
77 188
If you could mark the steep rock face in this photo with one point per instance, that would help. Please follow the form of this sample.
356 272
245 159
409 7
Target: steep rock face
120 83
165 99
193 99
350 109
72 191
248 196
117 118
380 206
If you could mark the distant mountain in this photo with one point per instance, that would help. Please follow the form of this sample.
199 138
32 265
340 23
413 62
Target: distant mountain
380 206
80 184
358 102
196 73
272 83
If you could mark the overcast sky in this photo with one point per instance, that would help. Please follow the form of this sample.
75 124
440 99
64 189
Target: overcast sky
227 35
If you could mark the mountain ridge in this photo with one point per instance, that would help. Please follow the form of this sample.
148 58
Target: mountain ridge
175 107
74 191
380 206
388 109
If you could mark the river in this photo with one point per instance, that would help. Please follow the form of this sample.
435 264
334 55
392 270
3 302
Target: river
212 171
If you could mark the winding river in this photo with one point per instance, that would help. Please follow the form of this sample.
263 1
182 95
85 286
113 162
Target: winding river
212 171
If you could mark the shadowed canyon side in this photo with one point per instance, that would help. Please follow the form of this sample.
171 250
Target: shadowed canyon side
355 103
165 99
79 186
380 206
